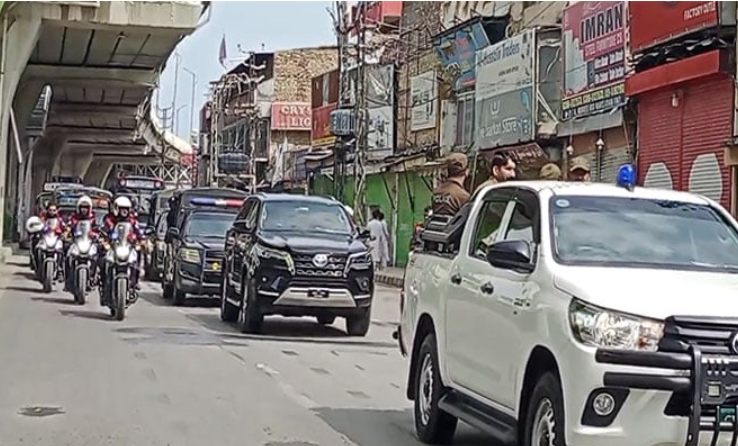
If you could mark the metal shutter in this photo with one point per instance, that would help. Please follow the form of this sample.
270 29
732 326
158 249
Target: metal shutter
610 162
708 122
658 140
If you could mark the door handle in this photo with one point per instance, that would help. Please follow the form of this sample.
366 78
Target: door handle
487 288
456 279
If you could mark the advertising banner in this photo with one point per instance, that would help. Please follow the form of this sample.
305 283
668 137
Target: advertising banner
504 103
594 58
380 104
291 116
457 50
653 23
321 135
424 94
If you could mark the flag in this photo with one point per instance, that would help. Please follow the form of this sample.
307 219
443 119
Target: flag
222 55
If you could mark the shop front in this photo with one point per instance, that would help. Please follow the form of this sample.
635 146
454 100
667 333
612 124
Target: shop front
685 117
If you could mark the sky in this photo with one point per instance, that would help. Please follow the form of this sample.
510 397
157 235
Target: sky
276 25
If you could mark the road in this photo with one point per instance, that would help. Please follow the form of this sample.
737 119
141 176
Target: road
171 376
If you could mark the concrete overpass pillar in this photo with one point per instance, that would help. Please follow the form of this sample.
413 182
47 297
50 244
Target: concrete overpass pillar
45 154
20 40
73 163
98 172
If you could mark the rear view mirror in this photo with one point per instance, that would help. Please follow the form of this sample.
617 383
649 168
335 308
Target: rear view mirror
364 233
510 254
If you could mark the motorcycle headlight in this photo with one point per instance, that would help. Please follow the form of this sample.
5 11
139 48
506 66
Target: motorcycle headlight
263 252
83 246
598 327
74 251
189 255
122 253
59 245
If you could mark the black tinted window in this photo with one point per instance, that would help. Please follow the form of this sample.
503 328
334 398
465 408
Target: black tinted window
487 226
305 216
202 224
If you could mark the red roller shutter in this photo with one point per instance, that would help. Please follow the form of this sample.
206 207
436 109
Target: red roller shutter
682 147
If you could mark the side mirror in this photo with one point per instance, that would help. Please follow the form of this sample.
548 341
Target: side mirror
148 231
364 233
242 225
511 254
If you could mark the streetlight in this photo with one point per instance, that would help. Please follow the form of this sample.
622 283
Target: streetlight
192 98
176 116
177 60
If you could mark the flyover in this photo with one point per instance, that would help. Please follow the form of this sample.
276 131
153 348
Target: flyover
102 61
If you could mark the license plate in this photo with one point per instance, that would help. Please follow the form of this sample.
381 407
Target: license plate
318 294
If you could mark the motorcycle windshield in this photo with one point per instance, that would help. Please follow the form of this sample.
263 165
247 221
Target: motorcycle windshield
83 229
124 231
51 224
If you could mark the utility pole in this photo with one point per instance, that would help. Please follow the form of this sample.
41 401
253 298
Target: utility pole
192 99
177 58
344 96
361 116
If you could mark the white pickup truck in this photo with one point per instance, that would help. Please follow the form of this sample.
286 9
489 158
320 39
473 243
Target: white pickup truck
577 314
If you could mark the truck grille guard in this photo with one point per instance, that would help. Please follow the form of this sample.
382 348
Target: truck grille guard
704 354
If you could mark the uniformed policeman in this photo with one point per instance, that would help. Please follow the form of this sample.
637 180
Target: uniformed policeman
451 195
579 170
550 172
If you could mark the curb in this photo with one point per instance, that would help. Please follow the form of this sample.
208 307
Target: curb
6 252
389 280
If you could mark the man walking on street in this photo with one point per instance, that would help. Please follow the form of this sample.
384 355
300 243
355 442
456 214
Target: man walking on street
503 169
579 170
451 195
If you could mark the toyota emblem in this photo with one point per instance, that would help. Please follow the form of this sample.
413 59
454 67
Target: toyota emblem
734 342
320 260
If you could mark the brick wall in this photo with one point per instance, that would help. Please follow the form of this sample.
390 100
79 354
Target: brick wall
294 69
420 22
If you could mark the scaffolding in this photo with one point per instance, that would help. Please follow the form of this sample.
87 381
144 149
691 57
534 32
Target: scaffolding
233 100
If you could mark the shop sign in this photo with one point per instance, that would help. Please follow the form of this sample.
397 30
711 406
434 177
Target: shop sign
321 133
288 116
424 94
675 19
458 50
594 58
504 99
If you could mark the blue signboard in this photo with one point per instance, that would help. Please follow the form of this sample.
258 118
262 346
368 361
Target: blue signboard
457 49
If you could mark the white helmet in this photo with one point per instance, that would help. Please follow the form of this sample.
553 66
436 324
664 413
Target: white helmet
34 225
122 202
84 200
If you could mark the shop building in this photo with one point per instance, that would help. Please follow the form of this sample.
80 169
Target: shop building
685 106
595 122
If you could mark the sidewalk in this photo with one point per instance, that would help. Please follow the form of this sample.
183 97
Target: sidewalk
390 276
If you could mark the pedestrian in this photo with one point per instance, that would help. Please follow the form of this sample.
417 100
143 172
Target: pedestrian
377 240
451 195
503 169
550 172
386 259
579 170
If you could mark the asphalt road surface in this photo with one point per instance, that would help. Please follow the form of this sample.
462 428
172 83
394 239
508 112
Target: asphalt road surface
171 376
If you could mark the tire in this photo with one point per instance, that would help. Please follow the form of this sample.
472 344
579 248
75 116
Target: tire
121 295
358 325
432 425
544 419
228 311
48 276
80 292
250 317
179 298
326 320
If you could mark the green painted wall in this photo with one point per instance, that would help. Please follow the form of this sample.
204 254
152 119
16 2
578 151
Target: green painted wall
412 198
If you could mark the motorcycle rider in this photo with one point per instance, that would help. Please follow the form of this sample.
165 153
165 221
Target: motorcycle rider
52 213
122 213
84 212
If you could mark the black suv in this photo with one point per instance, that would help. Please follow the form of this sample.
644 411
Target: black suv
196 227
295 255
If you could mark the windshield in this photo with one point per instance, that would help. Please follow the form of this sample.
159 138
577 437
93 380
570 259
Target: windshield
640 232
305 216
214 224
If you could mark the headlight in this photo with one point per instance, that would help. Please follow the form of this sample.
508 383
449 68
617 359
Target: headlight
122 252
74 251
59 245
263 252
189 255
83 246
359 261
598 327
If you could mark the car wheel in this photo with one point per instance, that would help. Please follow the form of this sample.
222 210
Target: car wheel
358 325
432 425
544 419
228 311
250 317
168 292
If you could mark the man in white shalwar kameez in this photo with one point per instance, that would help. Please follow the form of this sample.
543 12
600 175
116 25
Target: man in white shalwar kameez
378 244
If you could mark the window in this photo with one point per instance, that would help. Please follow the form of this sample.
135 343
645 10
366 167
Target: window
524 219
632 232
465 120
488 223
301 216
209 225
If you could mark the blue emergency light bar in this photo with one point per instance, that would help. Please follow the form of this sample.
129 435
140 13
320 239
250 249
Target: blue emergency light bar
626 176
217 202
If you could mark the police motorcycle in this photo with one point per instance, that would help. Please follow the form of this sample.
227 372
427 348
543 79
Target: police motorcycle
50 252
118 291
81 257
34 228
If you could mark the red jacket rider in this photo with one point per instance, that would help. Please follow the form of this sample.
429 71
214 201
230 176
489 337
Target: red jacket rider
124 214
52 212
84 213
